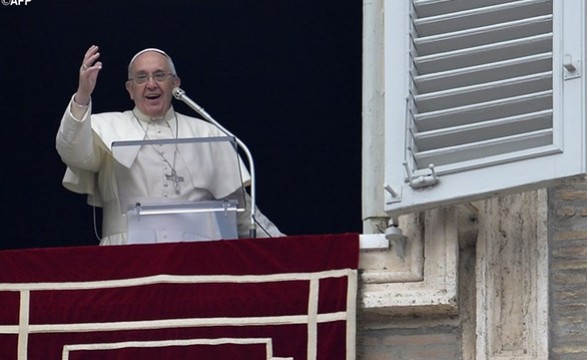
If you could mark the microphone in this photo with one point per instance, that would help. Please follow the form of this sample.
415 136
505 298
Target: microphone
179 94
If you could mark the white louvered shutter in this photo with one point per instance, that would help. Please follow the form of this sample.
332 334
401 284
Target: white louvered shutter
481 97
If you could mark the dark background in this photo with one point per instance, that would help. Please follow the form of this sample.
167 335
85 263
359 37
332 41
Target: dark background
283 75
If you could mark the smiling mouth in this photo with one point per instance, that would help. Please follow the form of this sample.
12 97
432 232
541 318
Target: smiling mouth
153 96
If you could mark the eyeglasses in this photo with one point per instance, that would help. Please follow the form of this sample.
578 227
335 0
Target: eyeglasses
144 78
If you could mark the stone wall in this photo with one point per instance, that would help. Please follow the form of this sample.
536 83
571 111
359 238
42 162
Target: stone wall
418 343
501 281
503 284
567 214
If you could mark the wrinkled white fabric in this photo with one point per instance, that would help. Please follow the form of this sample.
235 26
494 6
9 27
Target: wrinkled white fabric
85 146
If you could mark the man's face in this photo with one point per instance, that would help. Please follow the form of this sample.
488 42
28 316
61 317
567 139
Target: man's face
153 98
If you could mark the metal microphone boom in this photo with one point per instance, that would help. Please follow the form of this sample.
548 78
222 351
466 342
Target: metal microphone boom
179 94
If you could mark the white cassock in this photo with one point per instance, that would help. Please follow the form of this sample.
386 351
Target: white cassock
160 171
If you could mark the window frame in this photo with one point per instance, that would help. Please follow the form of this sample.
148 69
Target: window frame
506 174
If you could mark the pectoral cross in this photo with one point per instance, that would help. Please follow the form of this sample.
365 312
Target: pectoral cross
175 179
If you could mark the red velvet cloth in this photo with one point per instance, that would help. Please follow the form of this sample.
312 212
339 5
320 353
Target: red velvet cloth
235 299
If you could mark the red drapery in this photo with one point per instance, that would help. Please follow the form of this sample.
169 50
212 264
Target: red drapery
286 298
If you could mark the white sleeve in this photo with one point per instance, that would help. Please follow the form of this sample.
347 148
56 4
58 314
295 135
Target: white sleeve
75 141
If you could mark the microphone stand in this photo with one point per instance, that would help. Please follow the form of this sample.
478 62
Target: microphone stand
180 95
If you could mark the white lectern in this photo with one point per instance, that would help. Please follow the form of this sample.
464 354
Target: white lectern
176 189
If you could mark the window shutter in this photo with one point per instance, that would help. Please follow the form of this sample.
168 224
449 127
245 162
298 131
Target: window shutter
482 97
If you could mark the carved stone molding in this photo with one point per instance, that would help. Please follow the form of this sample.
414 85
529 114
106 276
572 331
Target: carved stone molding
422 281
403 262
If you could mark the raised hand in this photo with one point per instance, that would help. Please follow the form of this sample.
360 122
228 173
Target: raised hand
88 74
